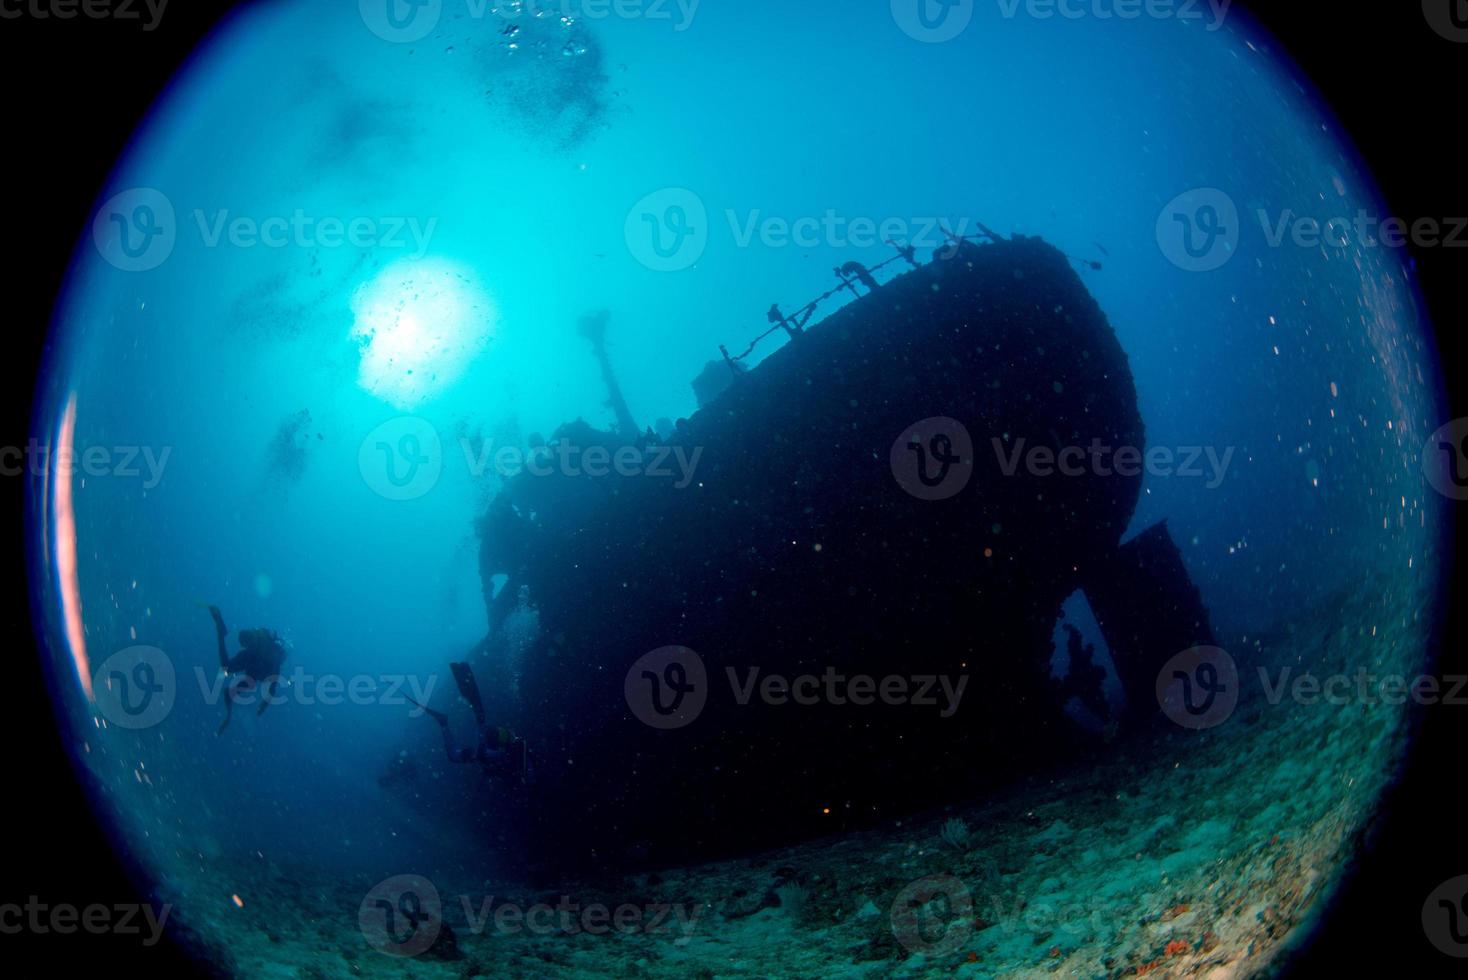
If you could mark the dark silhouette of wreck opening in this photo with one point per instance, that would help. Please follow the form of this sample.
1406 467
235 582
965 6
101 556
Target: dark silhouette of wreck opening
795 550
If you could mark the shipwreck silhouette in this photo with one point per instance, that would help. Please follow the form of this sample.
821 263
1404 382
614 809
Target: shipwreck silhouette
795 552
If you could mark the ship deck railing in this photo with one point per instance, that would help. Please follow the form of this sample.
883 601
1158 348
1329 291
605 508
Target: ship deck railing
851 275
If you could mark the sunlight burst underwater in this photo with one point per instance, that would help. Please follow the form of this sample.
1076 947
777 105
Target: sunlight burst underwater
419 325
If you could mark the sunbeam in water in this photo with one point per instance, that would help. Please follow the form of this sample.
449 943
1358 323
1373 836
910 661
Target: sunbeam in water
419 325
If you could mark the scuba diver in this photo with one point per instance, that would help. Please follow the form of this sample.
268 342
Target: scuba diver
256 666
1085 679
498 751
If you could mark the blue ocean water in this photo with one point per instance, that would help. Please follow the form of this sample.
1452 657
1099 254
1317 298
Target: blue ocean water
332 223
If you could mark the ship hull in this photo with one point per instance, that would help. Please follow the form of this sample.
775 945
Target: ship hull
799 551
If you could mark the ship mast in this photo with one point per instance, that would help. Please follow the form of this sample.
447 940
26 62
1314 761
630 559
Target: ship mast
594 329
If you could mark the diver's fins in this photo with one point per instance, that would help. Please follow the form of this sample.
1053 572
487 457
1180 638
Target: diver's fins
520 758
468 690
220 632
437 716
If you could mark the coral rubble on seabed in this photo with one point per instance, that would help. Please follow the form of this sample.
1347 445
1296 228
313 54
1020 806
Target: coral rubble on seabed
1188 854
